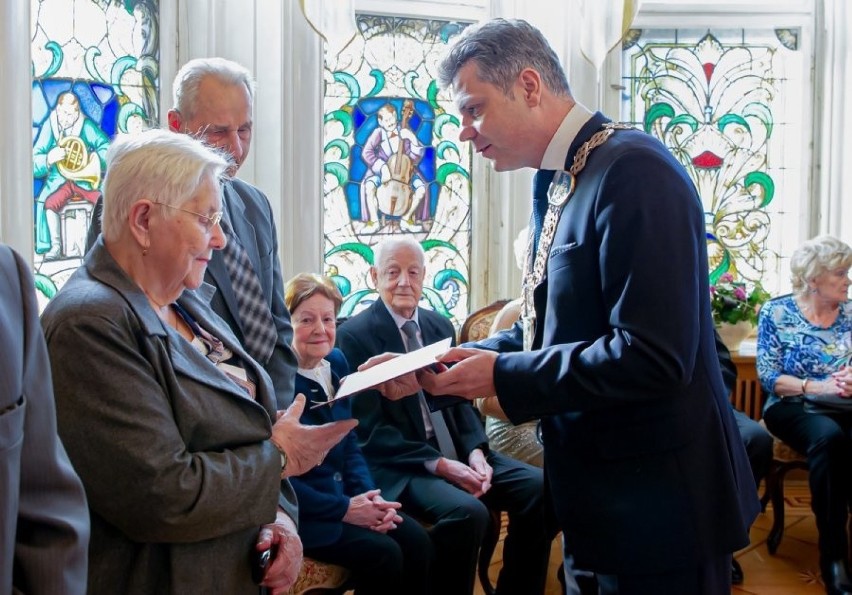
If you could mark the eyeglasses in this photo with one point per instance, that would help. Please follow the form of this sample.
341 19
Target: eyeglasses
209 220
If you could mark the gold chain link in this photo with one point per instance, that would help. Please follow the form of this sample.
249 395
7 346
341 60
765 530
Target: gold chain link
548 229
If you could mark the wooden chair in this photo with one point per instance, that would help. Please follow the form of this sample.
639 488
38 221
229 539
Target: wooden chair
476 327
319 577
784 459
748 394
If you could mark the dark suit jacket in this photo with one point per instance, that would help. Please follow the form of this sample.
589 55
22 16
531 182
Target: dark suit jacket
176 460
642 453
251 218
44 522
324 491
392 433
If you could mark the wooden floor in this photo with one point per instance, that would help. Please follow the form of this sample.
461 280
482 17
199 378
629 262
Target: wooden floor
794 570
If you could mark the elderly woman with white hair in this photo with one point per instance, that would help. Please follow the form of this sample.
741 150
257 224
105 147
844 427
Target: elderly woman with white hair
803 351
170 424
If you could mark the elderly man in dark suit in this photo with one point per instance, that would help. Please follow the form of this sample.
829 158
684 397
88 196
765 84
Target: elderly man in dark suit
615 353
437 464
44 522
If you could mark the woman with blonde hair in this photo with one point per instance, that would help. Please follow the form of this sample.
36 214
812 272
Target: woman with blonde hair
803 350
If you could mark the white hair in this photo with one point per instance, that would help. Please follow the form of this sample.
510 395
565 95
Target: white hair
816 257
387 247
158 165
189 77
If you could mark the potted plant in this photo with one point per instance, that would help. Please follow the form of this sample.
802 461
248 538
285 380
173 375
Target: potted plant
735 308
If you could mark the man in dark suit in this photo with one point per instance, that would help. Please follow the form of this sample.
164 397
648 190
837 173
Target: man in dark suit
649 477
44 522
437 463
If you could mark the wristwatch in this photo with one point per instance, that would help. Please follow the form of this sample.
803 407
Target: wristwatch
283 460
283 454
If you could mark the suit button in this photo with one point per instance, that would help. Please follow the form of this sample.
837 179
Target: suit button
337 476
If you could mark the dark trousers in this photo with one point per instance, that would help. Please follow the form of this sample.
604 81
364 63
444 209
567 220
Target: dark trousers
758 445
459 521
398 561
827 442
711 578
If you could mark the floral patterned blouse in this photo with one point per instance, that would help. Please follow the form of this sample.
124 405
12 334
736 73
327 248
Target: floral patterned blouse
787 343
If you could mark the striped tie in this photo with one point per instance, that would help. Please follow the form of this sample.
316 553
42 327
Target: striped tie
259 332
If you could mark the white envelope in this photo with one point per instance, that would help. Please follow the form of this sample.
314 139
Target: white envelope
403 364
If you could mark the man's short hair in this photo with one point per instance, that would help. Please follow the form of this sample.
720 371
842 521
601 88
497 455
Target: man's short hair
501 49
391 245
189 77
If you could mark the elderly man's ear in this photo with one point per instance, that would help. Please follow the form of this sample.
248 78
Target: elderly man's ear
175 121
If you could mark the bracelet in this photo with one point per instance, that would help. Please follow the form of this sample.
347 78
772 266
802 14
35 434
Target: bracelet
805 386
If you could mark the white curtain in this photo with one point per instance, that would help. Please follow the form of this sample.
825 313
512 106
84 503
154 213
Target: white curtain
833 130
16 152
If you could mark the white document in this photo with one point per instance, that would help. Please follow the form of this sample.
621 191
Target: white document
403 364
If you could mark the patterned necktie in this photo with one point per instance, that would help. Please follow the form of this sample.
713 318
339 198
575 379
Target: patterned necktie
439 424
541 183
258 327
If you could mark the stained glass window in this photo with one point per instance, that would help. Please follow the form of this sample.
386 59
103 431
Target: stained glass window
729 105
393 162
95 67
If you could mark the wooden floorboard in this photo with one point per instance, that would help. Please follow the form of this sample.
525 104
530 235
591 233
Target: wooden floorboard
794 570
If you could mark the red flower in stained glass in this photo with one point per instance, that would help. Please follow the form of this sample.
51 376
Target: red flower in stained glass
707 160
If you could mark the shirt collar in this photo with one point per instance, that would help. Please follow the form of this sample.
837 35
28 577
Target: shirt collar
575 119
400 320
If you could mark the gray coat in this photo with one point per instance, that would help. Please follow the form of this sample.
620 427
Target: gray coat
177 463
44 524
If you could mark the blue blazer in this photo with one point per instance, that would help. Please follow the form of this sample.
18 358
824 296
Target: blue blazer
646 466
324 491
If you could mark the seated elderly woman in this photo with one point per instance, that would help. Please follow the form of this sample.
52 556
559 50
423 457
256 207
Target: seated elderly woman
803 362
169 423
342 517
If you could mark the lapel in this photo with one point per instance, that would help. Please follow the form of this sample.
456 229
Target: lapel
243 228
540 292
388 338
428 329
201 368
216 269
183 357
313 391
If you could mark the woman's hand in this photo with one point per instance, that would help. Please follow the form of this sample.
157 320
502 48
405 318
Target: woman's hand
282 535
370 511
843 380
306 445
